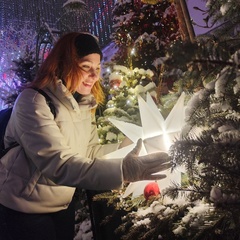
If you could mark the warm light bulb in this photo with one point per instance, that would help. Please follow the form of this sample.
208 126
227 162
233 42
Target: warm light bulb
167 140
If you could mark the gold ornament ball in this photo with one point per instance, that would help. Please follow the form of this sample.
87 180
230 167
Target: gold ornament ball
153 2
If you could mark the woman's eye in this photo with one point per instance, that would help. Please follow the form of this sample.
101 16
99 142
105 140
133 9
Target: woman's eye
88 68
85 67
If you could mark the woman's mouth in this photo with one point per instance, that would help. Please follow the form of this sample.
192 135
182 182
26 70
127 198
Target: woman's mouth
87 84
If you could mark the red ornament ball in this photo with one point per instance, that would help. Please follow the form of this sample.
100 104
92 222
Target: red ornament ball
115 83
151 189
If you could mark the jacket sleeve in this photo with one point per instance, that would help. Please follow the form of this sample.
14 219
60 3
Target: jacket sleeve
46 147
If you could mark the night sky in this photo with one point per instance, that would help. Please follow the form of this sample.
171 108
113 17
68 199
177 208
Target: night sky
197 16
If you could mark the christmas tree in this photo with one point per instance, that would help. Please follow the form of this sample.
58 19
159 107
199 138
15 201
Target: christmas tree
125 85
18 60
206 204
142 33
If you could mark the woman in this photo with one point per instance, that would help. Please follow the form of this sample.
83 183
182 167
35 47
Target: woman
58 153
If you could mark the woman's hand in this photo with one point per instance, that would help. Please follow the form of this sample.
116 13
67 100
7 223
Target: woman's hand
137 168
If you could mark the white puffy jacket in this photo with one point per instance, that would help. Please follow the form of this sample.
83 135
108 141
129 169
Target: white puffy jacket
55 155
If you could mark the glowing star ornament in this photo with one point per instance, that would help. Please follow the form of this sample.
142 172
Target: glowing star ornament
157 134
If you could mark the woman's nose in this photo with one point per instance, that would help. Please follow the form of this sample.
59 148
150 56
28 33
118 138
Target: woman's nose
94 73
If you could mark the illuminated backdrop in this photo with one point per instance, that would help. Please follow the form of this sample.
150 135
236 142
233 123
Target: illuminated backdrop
50 11
20 21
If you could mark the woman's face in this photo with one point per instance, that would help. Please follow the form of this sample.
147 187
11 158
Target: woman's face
90 66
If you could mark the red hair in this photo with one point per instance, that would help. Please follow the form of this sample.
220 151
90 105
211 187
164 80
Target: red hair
62 63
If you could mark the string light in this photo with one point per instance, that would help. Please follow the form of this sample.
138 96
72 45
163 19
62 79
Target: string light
19 12
51 11
133 51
